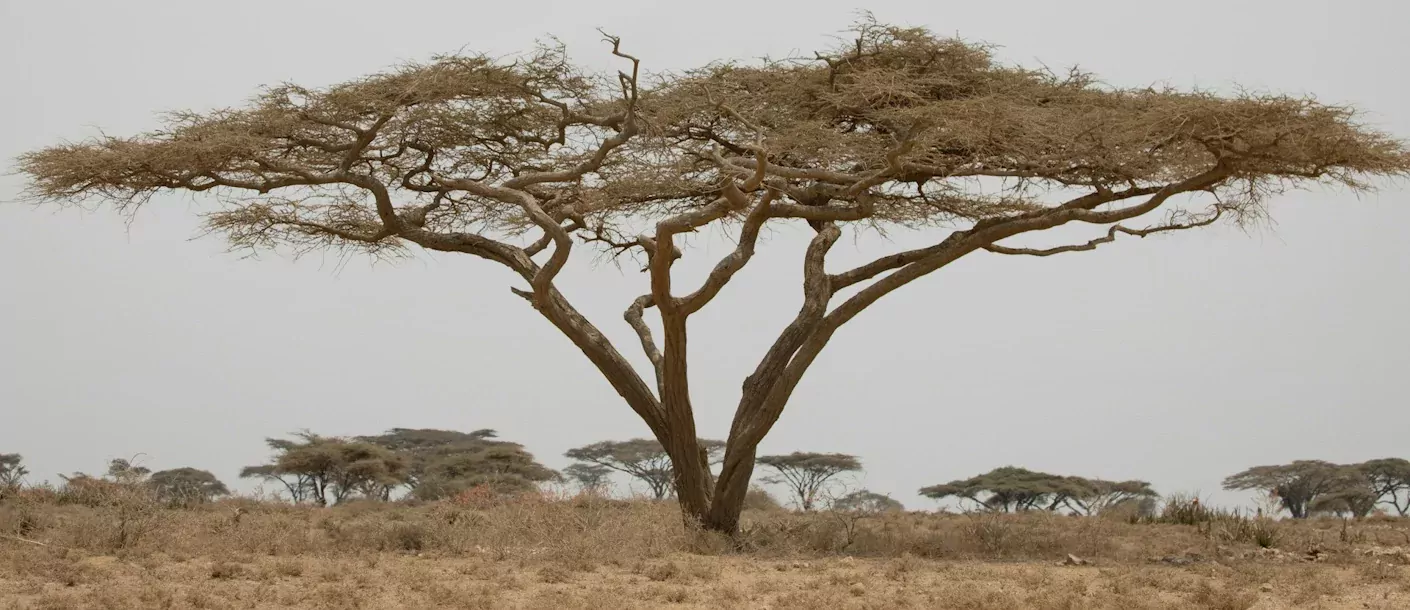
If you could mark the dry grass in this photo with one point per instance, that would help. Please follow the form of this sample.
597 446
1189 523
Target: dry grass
594 553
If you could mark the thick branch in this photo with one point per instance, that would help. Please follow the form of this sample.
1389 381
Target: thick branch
633 317
731 264
666 231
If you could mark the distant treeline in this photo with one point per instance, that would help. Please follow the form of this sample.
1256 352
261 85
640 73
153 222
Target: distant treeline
432 464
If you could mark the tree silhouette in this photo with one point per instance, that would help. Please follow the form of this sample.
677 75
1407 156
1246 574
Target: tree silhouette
517 162
1010 488
868 502
12 471
328 470
642 459
186 486
441 463
1390 482
593 478
1297 486
807 475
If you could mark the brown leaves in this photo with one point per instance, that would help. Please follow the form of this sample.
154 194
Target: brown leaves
897 126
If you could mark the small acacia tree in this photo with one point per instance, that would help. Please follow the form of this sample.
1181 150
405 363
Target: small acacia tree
1298 487
121 470
441 463
300 485
643 459
12 471
1009 489
1093 496
329 470
807 475
867 502
591 478
1389 479
186 486
511 161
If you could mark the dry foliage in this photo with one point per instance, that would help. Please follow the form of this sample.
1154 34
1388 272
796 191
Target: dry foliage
588 552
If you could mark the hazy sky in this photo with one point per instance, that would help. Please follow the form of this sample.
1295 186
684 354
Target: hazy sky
1177 359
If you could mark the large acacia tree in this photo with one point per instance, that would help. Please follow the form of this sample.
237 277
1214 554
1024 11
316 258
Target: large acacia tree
519 162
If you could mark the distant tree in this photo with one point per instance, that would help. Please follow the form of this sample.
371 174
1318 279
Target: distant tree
1093 496
299 485
1297 486
1359 488
329 469
1390 482
760 499
1009 489
590 477
124 471
807 475
12 471
441 463
642 459
864 501
504 468
1354 500
186 486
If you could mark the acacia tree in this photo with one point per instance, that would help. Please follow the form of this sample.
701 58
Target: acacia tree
867 502
122 470
186 486
1093 496
299 485
643 459
1298 486
509 161
440 463
1009 489
1389 479
807 475
12 470
591 478
331 470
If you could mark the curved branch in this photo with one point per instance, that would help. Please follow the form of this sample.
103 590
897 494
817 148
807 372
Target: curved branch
1108 238
901 259
666 231
731 264
633 316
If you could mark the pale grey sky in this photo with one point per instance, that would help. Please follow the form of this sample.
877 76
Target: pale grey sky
1177 359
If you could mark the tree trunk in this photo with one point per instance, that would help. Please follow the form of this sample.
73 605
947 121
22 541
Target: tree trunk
727 502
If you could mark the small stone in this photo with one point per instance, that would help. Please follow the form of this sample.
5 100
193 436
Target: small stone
1265 587
1073 560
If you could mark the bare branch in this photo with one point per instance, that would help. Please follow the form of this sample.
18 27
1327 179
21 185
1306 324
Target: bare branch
1109 237
732 263
633 317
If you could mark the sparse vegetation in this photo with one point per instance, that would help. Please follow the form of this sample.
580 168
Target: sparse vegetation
586 551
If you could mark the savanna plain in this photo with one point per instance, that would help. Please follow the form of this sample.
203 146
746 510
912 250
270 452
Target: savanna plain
119 550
